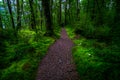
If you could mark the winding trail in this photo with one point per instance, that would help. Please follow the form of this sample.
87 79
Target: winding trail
58 63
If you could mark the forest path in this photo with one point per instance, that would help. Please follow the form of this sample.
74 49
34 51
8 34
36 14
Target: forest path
58 63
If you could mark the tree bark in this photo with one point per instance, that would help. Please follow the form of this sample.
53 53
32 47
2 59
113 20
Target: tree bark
51 9
117 16
33 21
41 14
6 13
23 22
93 11
78 10
18 15
100 13
11 15
1 25
69 11
65 13
60 13
46 6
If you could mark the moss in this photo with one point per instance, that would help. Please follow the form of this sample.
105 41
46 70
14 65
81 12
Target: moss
94 60
21 59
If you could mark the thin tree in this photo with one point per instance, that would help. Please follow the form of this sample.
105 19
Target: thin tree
93 10
117 8
18 15
1 25
51 9
69 11
116 28
41 13
33 21
100 13
6 13
77 9
66 12
60 12
11 15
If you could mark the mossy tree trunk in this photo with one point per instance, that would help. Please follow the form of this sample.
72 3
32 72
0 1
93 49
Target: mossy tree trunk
33 21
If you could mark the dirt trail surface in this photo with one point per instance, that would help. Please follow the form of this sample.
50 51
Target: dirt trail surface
58 63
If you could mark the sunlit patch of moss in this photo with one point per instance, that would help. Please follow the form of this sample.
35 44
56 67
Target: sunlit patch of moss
26 33
57 31
70 32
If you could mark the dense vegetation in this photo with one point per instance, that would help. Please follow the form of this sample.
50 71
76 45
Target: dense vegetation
29 27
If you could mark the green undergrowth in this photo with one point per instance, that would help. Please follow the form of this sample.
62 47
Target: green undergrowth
19 60
94 59
57 31
70 31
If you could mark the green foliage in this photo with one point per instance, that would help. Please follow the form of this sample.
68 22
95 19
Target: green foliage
70 31
86 28
95 60
19 61
26 35
57 30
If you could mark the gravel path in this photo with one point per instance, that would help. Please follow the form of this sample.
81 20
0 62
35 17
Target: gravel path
58 63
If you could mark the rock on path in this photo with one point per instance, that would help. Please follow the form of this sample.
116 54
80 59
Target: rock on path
58 63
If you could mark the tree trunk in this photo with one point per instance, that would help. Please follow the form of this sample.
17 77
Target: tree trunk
69 12
6 13
41 13
46 6
33 21
22 13
51 9
65 13
100 13
78 10
18 15
1 25
37 13
116 28
60 13
10 11
117 16
93 11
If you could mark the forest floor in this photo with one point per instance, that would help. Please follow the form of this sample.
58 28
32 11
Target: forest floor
58 63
